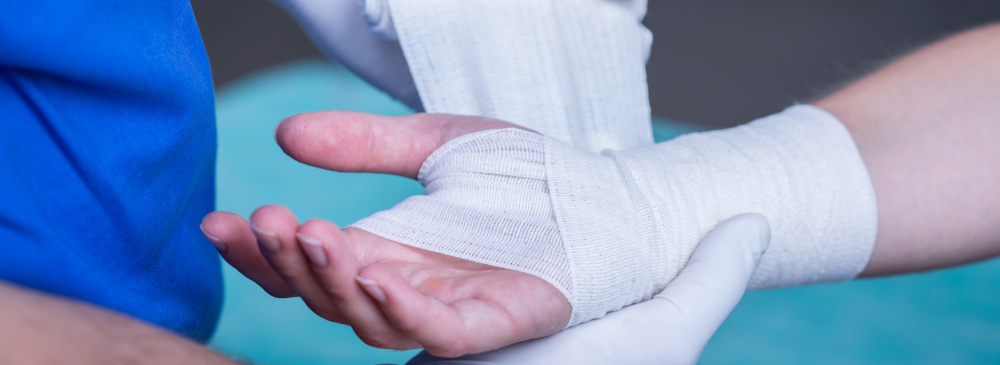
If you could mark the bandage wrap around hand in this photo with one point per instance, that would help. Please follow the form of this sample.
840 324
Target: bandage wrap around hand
612 229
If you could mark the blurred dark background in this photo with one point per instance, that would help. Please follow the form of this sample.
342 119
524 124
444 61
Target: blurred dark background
716 63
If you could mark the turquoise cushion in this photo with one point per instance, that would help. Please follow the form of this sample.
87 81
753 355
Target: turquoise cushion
941 317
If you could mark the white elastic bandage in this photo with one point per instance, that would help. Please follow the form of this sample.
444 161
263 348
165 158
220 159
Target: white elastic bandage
571 70
612 229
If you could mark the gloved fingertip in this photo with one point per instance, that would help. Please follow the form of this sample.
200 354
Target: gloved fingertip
763 234
755 231
376 13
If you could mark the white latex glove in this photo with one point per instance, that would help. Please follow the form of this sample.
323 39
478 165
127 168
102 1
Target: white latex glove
339 28
671 328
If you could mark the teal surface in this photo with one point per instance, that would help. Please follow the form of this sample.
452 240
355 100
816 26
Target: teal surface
948 316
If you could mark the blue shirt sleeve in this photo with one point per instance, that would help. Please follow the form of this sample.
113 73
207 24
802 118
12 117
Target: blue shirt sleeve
107 154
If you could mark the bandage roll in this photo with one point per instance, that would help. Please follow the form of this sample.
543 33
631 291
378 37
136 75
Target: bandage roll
571 70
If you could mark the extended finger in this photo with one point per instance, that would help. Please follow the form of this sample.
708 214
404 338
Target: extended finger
336 266
237 244
275 227
359 142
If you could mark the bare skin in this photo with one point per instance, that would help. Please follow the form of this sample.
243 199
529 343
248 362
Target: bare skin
926 127
55 330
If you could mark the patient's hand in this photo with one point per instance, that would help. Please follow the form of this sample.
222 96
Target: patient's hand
392 295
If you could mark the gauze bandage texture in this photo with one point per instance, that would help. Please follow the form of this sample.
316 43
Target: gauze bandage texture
612 229
571 70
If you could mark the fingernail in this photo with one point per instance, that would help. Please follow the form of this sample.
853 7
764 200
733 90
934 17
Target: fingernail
314 250
373 289
266 239
219 245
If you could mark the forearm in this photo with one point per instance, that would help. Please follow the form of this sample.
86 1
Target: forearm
37 328
927 127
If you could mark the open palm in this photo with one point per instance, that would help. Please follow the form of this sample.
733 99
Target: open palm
392 295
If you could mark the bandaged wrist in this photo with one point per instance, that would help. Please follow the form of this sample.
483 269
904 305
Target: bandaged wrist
612 229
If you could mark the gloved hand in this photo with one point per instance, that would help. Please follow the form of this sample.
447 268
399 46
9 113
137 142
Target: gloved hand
340 30
672 328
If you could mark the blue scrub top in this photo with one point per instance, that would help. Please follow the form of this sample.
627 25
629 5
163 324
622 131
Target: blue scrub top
107 157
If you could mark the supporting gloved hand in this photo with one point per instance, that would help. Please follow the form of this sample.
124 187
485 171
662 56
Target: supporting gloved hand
672 328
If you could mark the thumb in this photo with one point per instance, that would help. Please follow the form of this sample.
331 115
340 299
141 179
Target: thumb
348 141
711 285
